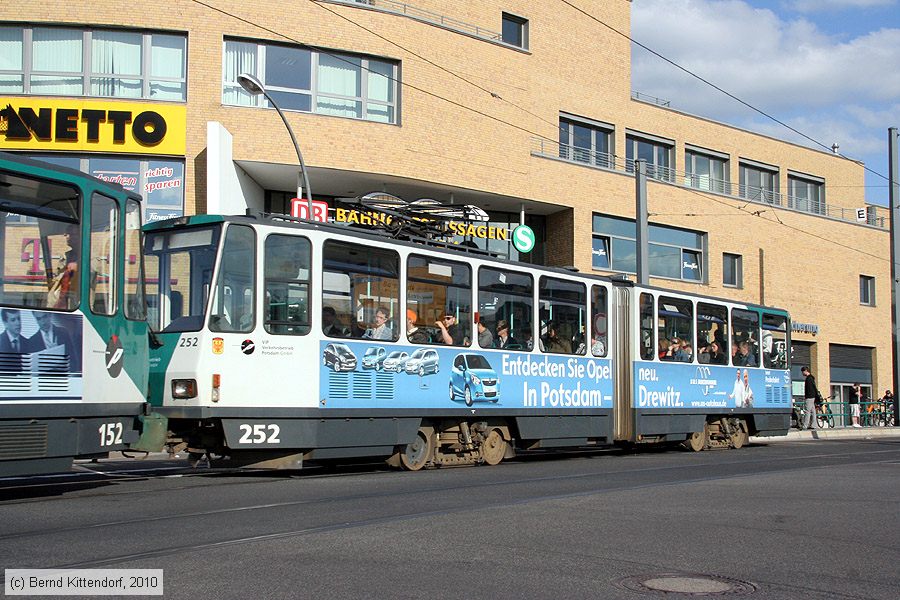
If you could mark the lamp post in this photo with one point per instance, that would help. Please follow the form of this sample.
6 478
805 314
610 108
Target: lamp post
254 87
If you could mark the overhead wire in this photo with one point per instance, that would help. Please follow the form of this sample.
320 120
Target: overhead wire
518 127
718 88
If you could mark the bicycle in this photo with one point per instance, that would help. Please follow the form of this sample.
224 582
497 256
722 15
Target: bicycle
882 414
824 416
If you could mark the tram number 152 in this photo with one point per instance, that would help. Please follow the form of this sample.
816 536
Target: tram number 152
110 434
259 434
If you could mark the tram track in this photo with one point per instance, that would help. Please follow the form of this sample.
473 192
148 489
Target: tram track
776 464
172 550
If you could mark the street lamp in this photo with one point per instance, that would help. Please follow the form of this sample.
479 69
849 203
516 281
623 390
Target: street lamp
254 87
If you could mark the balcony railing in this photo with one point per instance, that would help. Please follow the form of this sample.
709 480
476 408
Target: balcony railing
401 8
876 216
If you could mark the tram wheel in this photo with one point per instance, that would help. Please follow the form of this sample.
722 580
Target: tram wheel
493 449
696 441
739 437
417 453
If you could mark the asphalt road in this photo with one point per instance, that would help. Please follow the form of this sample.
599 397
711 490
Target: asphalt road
797 519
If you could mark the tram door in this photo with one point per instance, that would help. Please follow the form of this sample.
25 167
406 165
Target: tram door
624 349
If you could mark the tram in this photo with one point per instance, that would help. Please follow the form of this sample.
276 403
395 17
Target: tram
285 341
73 330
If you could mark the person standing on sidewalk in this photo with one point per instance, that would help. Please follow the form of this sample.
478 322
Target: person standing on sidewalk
855 398
810 393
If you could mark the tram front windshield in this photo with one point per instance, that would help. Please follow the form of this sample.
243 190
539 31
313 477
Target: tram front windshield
39 235
179 266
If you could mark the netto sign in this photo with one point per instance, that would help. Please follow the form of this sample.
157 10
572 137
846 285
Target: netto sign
41 124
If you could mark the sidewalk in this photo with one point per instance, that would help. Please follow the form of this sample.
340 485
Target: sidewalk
836 433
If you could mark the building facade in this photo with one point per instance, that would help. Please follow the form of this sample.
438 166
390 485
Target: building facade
524 109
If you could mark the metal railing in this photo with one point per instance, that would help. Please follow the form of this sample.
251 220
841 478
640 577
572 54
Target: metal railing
407 10
876 216
648 98
874 413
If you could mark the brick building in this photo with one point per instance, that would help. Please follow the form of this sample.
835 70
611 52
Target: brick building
517 107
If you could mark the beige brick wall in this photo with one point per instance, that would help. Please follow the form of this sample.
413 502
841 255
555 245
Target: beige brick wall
456 134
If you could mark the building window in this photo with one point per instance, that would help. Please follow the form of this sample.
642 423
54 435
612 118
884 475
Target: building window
866 290
673 253
515 31
118 63
732 270
706 172
300 79
586 142
759 183
806 194
656 153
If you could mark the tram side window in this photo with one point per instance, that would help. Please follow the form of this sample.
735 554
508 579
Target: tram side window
712 334
135 303
599 320
436 289
775 342
237 273
36 214
104 243
506 302
676 329
286 270
648 329
744 338
563 307
362 285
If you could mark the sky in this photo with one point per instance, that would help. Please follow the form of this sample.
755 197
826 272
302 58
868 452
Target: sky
828 68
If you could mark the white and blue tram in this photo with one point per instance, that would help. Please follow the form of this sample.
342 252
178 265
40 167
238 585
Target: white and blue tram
73 330
291 340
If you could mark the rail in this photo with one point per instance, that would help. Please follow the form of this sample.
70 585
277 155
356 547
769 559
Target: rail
875 216
408 10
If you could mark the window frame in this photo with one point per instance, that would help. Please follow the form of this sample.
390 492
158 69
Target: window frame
610 239
763 193
661 148
867 290
595 156
271 325
463 290
738 268
800 188
694 179
521 23
314 92
87 75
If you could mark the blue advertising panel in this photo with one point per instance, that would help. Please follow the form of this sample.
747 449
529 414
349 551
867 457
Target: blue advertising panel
689 386
366 374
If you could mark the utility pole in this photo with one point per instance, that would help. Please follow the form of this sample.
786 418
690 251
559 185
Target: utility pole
894 200
642 230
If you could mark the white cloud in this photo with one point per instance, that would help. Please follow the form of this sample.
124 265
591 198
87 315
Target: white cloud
833 89
808 6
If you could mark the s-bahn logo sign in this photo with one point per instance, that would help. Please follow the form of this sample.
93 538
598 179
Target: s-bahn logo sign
90 125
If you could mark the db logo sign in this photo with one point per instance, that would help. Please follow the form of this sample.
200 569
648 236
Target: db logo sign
218 345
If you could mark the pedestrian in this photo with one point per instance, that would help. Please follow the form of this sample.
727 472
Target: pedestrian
855 398
810 393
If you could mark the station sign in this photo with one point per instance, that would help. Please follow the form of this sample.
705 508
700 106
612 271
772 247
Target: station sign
76 125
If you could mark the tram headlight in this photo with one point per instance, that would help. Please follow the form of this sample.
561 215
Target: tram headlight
184 388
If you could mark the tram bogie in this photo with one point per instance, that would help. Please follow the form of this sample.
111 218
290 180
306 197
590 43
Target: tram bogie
294 341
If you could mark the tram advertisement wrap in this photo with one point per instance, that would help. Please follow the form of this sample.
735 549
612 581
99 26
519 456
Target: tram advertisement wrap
366 374
675 386
40 353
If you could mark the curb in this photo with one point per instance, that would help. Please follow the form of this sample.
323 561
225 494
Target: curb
841 433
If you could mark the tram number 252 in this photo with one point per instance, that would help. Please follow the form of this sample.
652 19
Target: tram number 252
259 434
110 434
